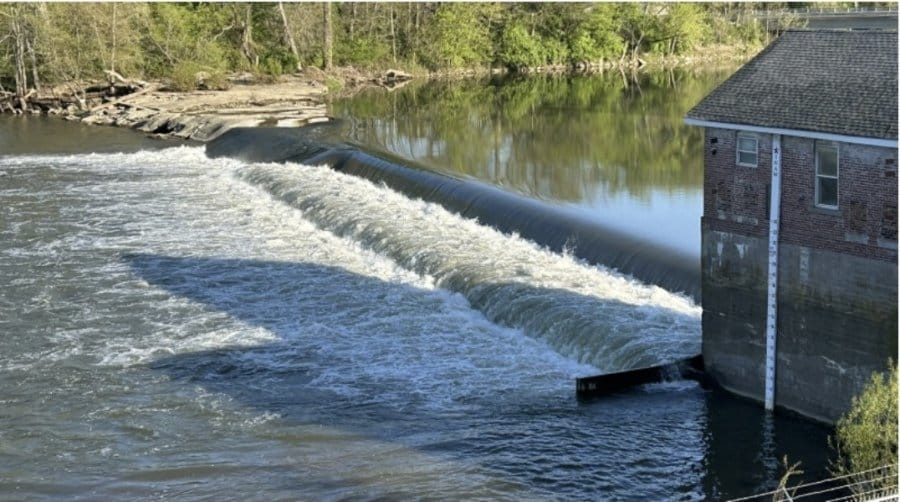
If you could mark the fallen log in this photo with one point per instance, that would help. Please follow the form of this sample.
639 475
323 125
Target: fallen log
392 79
113 77
115 102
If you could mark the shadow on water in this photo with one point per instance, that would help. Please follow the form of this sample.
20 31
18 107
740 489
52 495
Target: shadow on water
664 441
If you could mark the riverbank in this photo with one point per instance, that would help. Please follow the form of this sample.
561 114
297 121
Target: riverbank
290 100
204 114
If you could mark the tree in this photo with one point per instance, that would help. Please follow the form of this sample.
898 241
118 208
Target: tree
53 43
19 39
288 36
518 49
328 38
594 34
457 36
683 28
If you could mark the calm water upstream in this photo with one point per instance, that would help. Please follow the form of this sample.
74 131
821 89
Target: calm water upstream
175 326
610 148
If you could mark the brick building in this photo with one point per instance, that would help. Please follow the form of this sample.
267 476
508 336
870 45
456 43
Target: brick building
814 268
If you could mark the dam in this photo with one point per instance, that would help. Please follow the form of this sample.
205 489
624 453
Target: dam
175 324
545 224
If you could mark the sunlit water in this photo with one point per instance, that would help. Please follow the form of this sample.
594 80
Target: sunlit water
183 327
610 147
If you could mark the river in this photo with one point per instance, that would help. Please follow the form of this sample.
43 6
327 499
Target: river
183 327
613 150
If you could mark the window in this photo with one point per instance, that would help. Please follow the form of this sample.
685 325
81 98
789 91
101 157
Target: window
827 174
747 150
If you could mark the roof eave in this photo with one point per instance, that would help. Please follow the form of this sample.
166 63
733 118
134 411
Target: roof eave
857 140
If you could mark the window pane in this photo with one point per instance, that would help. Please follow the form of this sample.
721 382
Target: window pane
747 144
827 193
826 157
747 158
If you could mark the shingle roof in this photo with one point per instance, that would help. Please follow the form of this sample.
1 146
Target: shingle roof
840 82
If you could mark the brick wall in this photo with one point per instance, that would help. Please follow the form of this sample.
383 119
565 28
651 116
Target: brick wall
837 295
735 197
867 190
865 223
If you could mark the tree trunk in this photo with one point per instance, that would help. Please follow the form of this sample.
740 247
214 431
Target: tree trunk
112 57
415 35
247 37
327 46
288 36
34 66
393 36
17 31
352 20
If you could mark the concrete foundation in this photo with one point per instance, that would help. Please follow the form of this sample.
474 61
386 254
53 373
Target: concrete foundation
837 321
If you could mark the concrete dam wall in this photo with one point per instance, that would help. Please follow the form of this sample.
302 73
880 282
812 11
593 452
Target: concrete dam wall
548 225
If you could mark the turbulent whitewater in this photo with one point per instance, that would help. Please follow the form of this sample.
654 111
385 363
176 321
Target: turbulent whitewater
585 313
173 326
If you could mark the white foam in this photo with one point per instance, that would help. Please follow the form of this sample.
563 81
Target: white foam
587 313
223 268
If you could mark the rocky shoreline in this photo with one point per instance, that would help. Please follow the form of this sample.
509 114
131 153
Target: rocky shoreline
290 101
204 114
201 115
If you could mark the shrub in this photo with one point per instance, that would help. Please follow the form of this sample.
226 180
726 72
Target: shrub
184 76
518 49
217 81
555 51
456 37
583 48
866 436
333 85
362 51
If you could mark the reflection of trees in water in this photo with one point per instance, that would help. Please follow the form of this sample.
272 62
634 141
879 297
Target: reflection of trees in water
560 137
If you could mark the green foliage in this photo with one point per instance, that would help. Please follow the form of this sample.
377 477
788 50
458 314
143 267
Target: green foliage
555 51
518 49
456 37
184 76
333 85
278 62
595 35
682 29
361 51
583 48
866 437
79 41
181 35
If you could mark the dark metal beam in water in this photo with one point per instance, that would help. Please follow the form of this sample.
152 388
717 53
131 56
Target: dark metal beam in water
600 385
546 224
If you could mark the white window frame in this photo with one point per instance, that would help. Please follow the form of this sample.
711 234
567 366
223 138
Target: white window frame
836 177
738 151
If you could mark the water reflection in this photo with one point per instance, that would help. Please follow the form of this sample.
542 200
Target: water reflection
565 138
611 145
22 135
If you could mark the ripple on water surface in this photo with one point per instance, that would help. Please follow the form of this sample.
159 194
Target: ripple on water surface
184 327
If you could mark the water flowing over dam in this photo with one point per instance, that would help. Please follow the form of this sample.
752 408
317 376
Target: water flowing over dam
589 314
552 226
174 325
